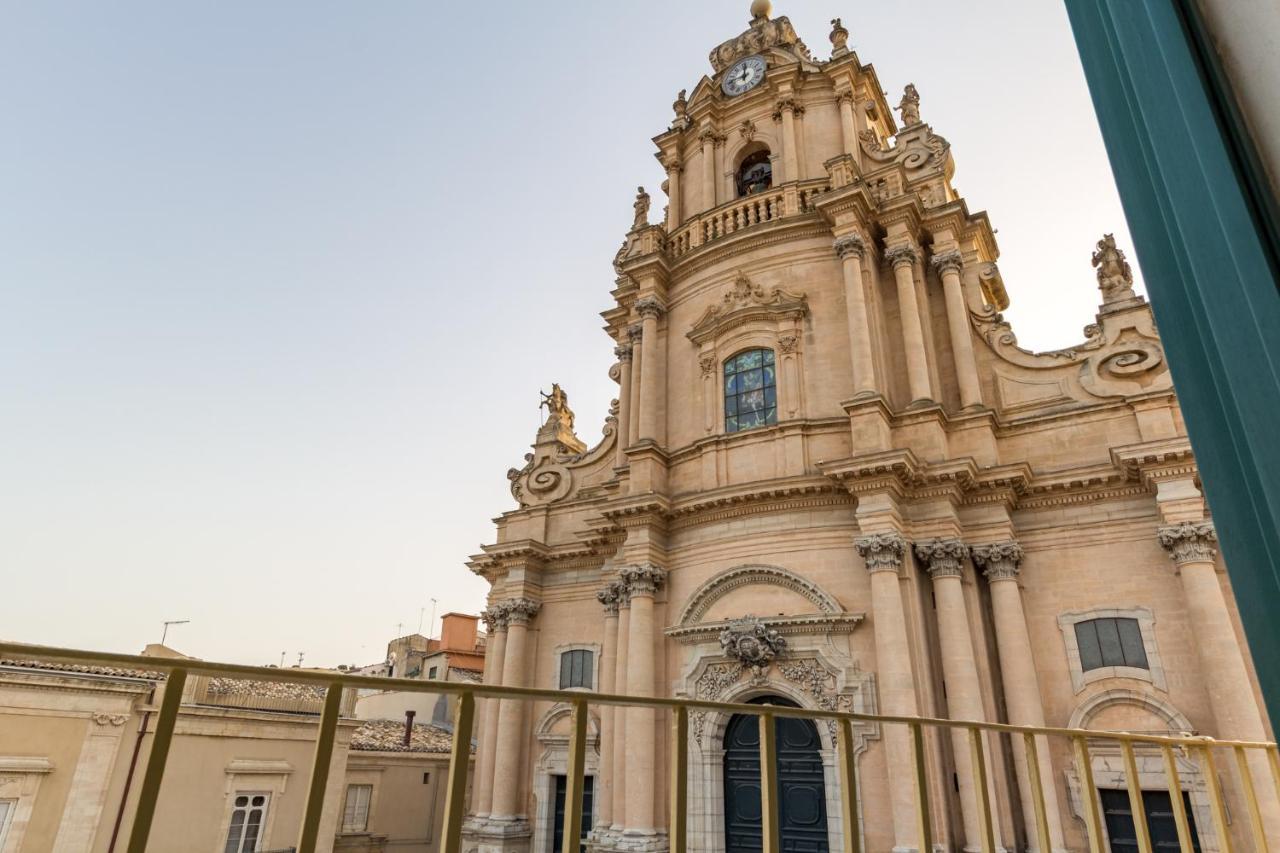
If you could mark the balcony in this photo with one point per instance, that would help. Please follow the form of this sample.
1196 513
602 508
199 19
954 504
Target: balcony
762 208
1209 756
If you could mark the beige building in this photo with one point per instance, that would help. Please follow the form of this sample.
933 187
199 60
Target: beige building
833 479
75 740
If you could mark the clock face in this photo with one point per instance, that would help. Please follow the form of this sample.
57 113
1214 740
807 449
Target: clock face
744 76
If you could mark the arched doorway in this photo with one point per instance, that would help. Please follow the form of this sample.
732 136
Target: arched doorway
802 799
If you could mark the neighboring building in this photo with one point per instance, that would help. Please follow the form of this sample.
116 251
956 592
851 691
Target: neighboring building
457 656
74 742
833 479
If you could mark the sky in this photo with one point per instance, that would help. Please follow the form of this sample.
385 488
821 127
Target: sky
280 282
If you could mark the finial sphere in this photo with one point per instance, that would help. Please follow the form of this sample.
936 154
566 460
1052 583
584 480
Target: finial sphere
761 8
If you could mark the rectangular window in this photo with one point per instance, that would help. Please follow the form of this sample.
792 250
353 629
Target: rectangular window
575 668
1110 642
355 816
431 673
248 815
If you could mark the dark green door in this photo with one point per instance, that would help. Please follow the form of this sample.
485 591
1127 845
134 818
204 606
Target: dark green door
1159 809
802 799
588 785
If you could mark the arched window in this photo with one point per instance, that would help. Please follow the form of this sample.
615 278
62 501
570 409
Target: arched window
750 391
755 174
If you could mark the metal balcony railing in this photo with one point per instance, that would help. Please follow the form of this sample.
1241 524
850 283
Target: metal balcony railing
1205 748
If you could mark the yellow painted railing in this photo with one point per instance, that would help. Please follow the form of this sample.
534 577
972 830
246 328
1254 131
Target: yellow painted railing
335 683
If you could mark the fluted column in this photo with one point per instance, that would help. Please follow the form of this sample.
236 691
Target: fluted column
621 668
1001 564
643 582
623 352
790 161
1222 663
495 648
509 757
652 371
609 599
851 249
674 217
635 333
882 553
948 265
903 259
944 560
708 140
848 131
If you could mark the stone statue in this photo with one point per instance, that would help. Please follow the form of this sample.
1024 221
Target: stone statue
557 403
642 209
839 38
909 106
1115 278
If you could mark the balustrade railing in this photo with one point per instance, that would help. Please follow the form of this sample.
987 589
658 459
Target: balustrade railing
1206 751
746 212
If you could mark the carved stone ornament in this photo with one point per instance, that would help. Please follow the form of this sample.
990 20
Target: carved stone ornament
110 719
521 610
747 129
746 301
752 643
909 106
882 552
787 344
1000 560
495 617
644 579
610 597
681 109
707 362
1189 542
1115 278
942 557
945 262
839 38
548 472
623 352
649 306
850 246
904 254
641 208
764 34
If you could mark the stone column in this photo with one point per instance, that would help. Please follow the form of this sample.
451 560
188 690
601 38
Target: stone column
609 599
643 582
851 249
882 553
848 131
674 218
948 265
944 559
708 140
509 754
620 685
903 259
495 619
1000 562
652 371
623 352
636 335
1222 662
786 112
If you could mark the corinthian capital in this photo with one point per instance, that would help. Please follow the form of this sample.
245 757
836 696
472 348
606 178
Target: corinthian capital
610 597
649 307
904 255
999 560
942 557
521 610
882 552
1189 542
495 618
850 245
644 579
623 352
946 262
636 334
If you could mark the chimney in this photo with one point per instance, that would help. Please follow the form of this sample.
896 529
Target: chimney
408 727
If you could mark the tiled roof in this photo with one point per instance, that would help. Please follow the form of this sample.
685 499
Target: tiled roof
85 669
474 676
388 736
273 689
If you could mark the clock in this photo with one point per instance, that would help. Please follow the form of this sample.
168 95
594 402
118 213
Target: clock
743 76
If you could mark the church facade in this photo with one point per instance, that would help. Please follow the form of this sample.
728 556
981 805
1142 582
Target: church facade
832 479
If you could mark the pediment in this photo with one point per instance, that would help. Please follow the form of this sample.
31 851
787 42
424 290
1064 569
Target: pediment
744 302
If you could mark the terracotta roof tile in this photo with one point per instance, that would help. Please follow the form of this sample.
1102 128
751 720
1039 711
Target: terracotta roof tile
85 669
388 736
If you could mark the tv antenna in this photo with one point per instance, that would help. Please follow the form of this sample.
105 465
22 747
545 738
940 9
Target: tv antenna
165 633
432 626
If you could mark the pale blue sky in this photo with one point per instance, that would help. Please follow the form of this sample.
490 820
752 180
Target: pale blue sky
280 281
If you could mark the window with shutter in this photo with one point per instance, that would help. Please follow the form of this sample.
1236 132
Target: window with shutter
576 668
1110 642
355 816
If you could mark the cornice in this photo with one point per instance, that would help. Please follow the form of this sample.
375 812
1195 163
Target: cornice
789 228
1153 461
818 623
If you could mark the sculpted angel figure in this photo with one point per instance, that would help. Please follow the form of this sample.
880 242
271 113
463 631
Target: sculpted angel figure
1115 278
557 403
910 105
642 209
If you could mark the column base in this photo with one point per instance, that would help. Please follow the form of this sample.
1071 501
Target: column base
496 835
642 841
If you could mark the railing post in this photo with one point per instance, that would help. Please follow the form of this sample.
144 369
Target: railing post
678 832
983 796
320 769
848 788
1216 805
770 819
576 770
1092 812
150 791
922 788
456 786
1032 754
1137 809
1251 799
1175 798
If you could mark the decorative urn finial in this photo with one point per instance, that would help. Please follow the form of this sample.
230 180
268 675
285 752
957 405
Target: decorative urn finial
760 9
839 38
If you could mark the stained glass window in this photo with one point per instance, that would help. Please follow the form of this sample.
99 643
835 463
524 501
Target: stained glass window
750 391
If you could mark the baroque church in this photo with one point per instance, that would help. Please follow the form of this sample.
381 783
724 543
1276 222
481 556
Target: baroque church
833 479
